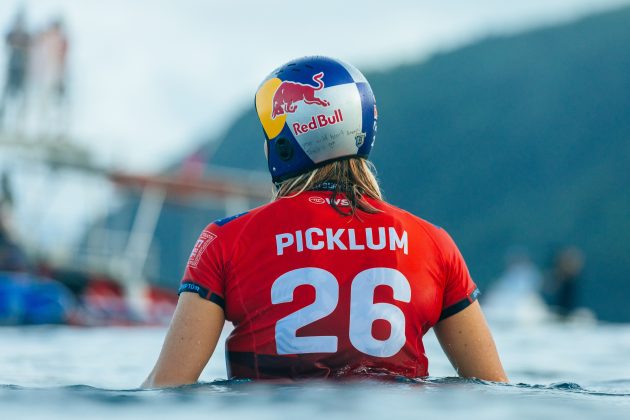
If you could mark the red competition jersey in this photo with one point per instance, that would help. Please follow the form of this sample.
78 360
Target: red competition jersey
312 293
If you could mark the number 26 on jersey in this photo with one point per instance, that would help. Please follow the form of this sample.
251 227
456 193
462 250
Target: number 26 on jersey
363 311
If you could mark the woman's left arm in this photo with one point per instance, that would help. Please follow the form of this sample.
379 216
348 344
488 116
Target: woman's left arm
190 341
468 344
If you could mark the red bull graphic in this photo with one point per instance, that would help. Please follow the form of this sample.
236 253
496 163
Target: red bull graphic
318 121
289 93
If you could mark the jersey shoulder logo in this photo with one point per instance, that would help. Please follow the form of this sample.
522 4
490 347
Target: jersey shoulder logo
205 239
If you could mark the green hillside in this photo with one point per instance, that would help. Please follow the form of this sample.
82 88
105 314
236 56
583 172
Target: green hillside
514 140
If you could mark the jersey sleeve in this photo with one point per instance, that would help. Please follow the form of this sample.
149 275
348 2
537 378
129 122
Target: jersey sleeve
459 288
205 273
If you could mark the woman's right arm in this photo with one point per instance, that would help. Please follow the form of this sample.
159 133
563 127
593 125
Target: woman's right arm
190 341
468 344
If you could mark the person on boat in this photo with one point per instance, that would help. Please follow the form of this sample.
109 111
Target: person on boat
49 71
12 257
18 42
328 280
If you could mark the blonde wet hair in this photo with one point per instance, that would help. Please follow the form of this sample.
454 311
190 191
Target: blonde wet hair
354 178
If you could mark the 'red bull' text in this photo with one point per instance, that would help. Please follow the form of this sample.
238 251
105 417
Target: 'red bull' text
318 121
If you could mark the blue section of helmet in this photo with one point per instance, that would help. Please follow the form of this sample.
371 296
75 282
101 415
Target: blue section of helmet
300 160
369 123
303 69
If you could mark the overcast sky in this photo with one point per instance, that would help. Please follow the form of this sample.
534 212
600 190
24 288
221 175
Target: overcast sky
151 79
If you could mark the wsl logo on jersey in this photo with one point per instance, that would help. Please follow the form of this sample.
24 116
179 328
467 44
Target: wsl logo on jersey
341 202
315 109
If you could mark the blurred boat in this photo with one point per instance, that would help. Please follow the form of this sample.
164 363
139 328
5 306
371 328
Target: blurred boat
107 275
27 299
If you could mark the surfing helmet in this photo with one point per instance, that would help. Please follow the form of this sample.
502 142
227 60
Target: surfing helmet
315 110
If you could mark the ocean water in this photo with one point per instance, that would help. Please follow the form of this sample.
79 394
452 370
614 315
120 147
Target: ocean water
556 371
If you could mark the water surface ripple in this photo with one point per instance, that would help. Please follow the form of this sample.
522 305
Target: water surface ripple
555 370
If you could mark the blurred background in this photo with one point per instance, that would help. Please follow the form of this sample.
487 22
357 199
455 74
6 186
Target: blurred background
127 127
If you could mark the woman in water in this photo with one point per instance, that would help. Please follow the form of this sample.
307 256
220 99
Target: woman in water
327 280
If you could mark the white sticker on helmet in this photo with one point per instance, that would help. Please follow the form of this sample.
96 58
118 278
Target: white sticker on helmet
328 132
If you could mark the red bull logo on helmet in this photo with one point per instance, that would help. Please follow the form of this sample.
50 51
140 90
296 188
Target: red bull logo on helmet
289 94
318 121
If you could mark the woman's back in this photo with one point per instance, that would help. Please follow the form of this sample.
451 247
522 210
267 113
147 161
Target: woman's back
315 293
